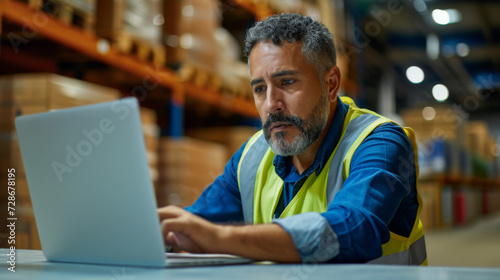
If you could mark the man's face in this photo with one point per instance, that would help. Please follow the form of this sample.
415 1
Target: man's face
292 103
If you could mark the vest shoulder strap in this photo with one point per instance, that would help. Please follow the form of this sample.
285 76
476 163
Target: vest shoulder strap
355 131
250 161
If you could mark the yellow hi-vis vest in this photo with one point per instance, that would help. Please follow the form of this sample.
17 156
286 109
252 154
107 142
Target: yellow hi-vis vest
261 187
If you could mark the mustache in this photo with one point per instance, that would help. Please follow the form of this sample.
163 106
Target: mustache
280 117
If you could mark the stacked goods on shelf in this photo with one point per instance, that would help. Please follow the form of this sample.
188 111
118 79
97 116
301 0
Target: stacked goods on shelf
196 38
429 196
456 159
24 94
467 204
478 143
187 167
232 73
133 26
208 54
440 138
309 8
151 132
79 13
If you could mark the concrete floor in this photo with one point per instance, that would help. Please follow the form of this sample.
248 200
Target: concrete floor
477 244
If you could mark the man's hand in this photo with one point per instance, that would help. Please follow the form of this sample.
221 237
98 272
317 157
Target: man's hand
194 234
189 232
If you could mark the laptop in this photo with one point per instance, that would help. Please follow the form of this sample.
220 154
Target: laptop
91 190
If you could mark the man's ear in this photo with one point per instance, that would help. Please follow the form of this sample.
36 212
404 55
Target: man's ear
332 83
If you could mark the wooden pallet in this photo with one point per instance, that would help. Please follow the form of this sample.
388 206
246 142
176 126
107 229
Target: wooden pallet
64 11
214 82
200 77
142 49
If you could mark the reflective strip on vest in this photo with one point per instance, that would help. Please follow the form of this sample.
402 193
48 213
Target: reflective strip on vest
352 132
415 255
251 163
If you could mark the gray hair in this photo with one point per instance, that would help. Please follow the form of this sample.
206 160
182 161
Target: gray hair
317 42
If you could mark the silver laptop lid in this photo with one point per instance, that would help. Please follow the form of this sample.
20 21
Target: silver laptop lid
90 186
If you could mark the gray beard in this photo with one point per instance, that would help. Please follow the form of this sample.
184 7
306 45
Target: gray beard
310 129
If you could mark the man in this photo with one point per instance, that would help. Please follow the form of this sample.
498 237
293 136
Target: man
324 181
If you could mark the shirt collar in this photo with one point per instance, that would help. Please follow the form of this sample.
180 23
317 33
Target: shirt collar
283 165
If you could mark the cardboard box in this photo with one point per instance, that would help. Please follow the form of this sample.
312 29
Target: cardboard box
187 167
138 19
476 136
34 93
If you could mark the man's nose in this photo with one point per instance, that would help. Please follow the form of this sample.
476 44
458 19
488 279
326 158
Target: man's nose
274 100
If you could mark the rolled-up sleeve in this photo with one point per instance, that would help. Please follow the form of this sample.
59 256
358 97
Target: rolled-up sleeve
312 235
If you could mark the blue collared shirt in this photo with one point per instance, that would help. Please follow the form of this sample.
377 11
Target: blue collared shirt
378 196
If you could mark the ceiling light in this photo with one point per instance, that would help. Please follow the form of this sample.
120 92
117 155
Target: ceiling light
455 15
428 113
440 16
440 92
447 16
420 6
432 47
463 49
415 74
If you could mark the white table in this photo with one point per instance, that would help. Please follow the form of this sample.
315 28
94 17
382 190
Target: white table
31 264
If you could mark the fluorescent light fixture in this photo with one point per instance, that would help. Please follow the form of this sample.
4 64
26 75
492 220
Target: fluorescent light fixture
454 14
463 49
447 16
432 47
440 92
415 74
428 113
420 6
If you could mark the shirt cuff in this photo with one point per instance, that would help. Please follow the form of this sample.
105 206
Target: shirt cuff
312 235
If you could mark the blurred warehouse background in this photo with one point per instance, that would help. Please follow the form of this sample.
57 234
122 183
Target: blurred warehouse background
433 65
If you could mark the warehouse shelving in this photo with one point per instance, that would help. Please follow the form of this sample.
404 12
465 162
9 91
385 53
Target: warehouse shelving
443 210
260 11
99 49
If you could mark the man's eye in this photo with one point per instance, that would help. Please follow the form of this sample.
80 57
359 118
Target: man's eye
288 81
258 89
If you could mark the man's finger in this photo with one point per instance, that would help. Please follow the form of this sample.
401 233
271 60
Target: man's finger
173 225
170 211
171 240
